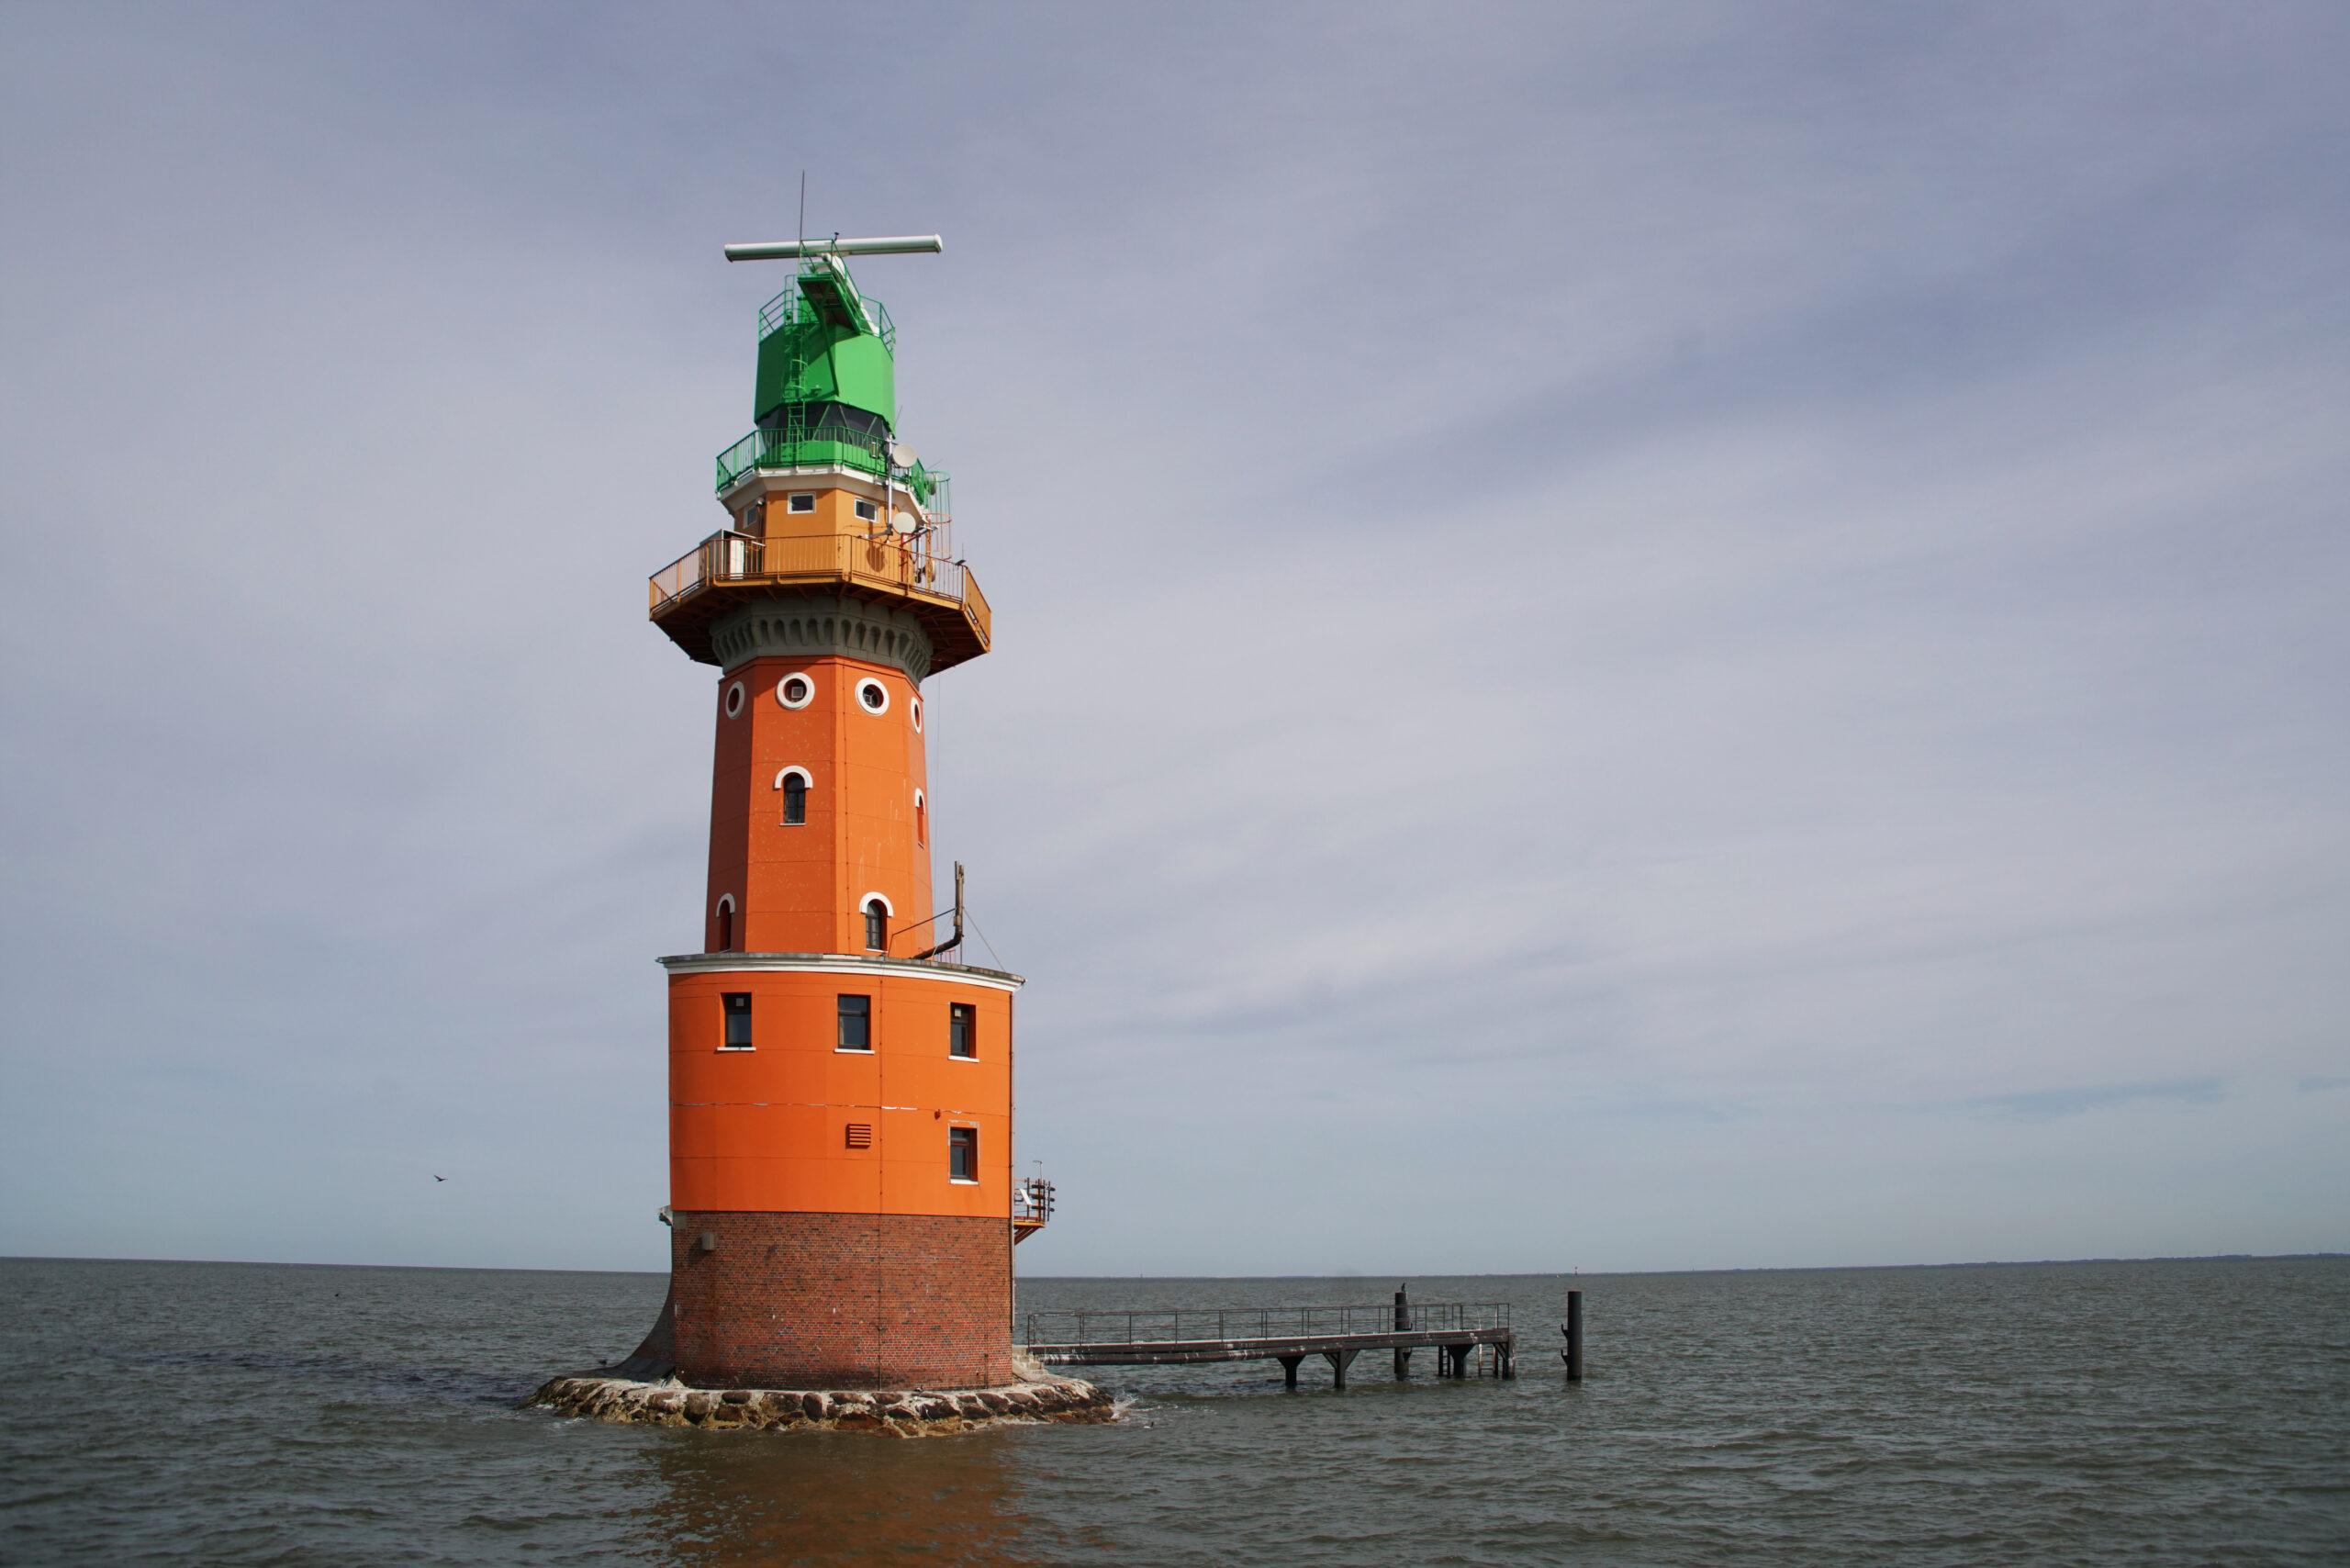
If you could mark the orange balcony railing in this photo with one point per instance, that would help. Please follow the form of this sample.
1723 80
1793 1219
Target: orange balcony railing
887 562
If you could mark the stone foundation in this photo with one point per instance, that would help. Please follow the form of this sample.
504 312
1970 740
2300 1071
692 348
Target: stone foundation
897 1412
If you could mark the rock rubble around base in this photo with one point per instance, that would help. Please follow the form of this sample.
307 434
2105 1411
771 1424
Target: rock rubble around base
904 1413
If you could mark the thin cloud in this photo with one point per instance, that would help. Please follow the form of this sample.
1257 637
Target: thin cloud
2042 1105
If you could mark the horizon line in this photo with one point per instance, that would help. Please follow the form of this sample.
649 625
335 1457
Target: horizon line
1529 1274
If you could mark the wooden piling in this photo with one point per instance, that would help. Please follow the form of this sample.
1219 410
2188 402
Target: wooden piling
1574 1336
1402 1325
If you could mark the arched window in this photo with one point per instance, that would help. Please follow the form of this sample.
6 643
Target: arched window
877 925
921 819
725 924
795 799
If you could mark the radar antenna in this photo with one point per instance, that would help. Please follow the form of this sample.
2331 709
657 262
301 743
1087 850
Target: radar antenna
843 301
794 249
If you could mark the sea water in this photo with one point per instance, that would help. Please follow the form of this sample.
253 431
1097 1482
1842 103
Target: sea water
2158 1413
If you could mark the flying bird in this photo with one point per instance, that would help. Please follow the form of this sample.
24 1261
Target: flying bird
440 1177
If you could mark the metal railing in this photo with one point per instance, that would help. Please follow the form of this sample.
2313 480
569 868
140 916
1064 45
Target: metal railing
1091 1327
1032 1200
889 560
786 309
833 447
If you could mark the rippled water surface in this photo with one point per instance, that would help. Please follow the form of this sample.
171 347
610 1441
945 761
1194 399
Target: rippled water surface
2147 1413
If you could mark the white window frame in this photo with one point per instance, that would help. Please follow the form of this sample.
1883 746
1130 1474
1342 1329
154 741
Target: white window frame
889 916
807 783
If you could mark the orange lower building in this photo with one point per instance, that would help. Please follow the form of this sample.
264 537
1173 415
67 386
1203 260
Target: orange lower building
841 1198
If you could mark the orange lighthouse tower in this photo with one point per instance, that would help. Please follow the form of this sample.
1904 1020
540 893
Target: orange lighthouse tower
842 1200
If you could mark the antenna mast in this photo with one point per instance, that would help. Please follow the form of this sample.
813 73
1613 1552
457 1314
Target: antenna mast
956 940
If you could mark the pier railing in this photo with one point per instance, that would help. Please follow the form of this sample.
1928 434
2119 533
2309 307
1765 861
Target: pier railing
1093 1328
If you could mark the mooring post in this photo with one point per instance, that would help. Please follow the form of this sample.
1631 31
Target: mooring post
1289 1370
1574 1336
1339 1362
1402 1325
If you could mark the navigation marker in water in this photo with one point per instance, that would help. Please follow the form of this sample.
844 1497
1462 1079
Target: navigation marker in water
842 1204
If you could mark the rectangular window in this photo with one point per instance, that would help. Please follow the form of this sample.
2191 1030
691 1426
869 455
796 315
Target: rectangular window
963 1153
738 1020
867 511
857 1024
804 503
962 1029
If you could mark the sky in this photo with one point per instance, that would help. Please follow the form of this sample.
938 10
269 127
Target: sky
1628 636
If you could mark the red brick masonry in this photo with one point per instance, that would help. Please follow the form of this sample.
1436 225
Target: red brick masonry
842 1301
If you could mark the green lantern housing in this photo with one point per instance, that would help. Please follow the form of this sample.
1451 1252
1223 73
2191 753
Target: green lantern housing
822 344
827 390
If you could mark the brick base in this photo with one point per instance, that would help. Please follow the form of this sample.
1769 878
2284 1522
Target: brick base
842 1301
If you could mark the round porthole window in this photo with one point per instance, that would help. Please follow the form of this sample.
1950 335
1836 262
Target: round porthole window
915 709
795 692
874 696
734 699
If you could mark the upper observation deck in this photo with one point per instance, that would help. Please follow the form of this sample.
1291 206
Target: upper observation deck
729 569
824 495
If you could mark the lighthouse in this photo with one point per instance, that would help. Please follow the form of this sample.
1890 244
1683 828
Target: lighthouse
842 1204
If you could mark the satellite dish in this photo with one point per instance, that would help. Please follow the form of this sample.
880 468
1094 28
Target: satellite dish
901 454
902 522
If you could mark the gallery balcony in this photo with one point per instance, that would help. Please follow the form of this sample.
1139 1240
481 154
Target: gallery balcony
728 569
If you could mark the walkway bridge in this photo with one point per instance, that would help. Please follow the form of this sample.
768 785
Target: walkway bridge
1458 1331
